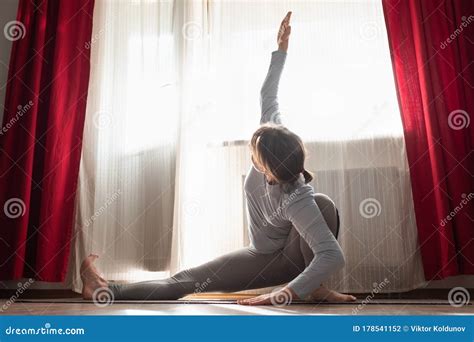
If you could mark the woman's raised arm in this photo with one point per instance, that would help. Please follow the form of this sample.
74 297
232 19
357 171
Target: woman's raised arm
269 92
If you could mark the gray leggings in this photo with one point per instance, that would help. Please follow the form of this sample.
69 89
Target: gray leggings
243 269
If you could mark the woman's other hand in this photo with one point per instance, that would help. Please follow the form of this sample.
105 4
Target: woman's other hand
281 297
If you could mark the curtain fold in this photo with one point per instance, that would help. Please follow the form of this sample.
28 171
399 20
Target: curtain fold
432 54
41 137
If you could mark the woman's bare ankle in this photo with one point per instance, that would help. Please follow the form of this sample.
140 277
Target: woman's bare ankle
92 282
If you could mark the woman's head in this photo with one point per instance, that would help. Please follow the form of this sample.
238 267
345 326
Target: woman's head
279 153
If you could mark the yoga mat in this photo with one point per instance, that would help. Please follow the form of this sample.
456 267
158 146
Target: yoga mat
219 301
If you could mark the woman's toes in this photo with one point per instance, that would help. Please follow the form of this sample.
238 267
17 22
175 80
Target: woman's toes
349 298
327 295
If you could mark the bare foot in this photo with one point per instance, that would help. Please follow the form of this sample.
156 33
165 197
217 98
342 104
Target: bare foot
326 295
91 279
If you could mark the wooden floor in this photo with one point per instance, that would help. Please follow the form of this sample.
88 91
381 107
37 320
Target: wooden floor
78 308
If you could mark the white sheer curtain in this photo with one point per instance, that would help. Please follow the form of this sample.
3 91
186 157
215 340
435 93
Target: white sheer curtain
337 92
126 182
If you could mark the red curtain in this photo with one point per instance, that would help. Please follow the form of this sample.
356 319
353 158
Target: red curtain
41 136
432 49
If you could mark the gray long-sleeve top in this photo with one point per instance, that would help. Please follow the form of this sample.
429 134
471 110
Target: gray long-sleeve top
274 209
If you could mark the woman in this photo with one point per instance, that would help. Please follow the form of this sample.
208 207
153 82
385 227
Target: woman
291 241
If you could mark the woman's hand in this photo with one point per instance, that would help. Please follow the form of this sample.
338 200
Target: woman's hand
284 33
284 296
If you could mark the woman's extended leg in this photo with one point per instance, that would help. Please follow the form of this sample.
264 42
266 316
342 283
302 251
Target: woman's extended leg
239 270
243 269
